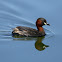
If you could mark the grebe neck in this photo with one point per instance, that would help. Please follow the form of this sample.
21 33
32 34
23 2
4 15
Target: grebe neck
40 29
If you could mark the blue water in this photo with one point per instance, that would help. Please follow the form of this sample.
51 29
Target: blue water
24 13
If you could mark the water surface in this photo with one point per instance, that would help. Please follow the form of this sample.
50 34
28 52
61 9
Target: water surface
30 49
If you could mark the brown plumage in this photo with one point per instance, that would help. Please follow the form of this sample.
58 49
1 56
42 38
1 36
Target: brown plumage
30 32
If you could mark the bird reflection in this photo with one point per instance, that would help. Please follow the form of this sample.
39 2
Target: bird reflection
38 44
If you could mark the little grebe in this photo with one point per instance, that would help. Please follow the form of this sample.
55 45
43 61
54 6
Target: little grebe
30 32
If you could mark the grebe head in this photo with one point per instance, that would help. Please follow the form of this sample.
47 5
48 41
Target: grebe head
41 21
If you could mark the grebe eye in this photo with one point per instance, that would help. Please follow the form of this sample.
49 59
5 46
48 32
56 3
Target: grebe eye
45 21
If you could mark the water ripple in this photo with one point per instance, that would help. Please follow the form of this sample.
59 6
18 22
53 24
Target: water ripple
11 15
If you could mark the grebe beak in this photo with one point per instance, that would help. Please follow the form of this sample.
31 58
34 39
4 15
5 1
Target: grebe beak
46 24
